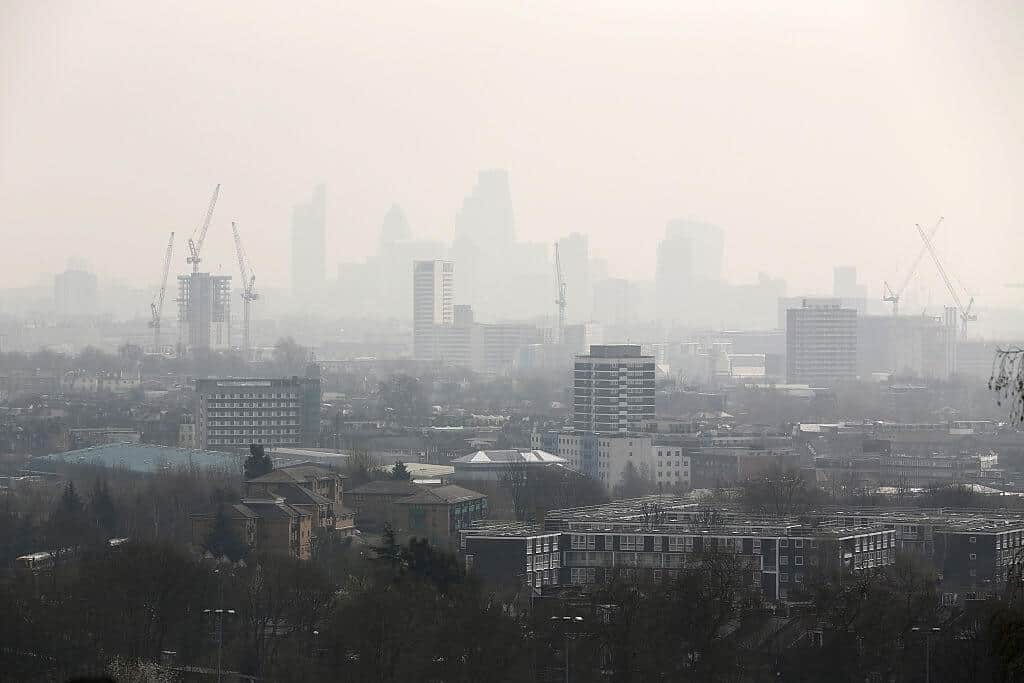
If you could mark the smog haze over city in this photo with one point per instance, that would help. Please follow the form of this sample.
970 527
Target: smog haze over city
480 341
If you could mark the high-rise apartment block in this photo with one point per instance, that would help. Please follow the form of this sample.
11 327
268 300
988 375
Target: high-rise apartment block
613 389
821 343
74 293
433 305
309 227
234 413
204 311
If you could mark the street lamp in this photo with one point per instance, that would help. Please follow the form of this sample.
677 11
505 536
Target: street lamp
567 621
928 633
220 635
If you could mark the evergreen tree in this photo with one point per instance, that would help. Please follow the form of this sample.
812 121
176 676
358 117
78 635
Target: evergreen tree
103 510
400 472
258 463
222 539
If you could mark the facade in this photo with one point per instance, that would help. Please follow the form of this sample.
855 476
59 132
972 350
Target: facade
603 457
438 514
494 465
656 537
512 553
670 466
613 390
264 524
373 502
234 413
313 489
204 311
309 227
716 466
433 305
821 343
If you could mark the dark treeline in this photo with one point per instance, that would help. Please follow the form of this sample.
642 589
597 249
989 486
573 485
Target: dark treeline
409 613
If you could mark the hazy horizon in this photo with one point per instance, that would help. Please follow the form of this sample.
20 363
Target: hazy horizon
813 135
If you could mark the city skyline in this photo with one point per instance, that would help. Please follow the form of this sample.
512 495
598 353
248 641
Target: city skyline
618 192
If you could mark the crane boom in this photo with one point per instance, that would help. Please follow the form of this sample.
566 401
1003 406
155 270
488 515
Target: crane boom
561 301
895 296
965 312
157 306
195 246
249 293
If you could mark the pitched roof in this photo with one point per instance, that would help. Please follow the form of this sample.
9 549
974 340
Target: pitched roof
301 473
441 495
504 457
387 487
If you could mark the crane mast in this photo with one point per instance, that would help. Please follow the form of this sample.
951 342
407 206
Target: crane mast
249 293
966 314
561 301
195 246
156 308
895 296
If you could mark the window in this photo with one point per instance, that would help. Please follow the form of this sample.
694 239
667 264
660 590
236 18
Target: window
798 543
798 560
757 546
974 556
783 560
798 577
783 578
783 542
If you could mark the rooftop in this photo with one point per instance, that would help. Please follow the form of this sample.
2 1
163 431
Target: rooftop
505 457
141 457
442 495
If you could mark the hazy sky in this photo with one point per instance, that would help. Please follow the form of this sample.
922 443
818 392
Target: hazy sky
814 132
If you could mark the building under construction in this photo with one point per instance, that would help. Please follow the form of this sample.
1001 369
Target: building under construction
204 311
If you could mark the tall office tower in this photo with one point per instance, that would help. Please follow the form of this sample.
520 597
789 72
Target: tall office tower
673 278
309 222
846 287
433 295
689 272
204 311
74 292
234 413
821 343
574 252
613 389
706 248
484 241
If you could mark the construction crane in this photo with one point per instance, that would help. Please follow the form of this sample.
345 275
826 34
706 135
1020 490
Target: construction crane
196 246
966 312
895 296
561 297
249 293
156 308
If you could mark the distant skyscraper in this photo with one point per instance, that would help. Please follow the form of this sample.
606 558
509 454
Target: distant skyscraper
395 226
673 277
574 251
688 273
613 390
486 217
433 304
74 293
821 343
845 285
309 222
706 248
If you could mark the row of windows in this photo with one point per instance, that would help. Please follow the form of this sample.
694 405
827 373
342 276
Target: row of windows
260 395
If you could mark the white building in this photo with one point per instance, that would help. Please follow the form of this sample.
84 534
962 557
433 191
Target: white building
821 343
613 390
433 304
497 464
603 457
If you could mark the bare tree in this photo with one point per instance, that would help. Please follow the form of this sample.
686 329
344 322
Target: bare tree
1007 380
513 478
